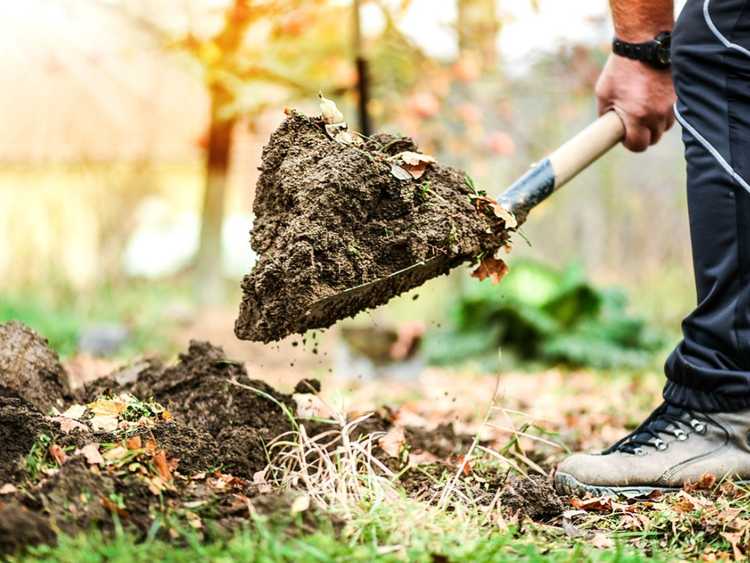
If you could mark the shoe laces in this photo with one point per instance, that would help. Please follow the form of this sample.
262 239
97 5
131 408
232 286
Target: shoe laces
665 420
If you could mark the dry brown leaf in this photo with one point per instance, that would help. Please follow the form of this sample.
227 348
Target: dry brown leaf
599 504
328 110
67 425
602 541
484 202
57 454
75 412
492 268
393 441
8 489
112 507
104 423
399 172
160 461
734 540
150 447
91 453
134 443
414 163
107 407
704 482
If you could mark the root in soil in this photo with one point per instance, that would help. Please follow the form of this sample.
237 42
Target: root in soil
332 216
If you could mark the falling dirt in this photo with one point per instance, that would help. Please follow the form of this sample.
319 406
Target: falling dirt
194 459
332 216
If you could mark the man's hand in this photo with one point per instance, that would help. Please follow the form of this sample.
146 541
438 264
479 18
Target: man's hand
642 97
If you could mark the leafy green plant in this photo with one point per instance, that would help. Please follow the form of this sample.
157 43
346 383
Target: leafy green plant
541 314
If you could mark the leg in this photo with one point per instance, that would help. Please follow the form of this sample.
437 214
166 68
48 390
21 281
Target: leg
710 369
703 426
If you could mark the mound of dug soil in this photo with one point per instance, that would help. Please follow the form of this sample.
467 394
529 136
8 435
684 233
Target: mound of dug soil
183 445
330 216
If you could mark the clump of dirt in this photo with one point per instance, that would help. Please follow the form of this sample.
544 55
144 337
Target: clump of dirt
442 442
534 497
30 368
211 393
20 424
21 527
332 216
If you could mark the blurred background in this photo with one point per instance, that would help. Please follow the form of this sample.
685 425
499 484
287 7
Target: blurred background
132 133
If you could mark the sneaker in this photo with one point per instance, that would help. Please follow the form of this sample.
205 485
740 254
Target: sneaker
673 446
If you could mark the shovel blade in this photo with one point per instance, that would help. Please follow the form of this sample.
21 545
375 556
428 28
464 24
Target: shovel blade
372 294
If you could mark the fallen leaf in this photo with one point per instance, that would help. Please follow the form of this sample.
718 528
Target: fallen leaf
156 485
194 520
57 454
347 138
483 202
704 482
67 425
104 423
414 163
150 447
602 541
328 110
422 458
300 504
400 173
75 412
107 407
311 406
492 268
8 489
91 453
734 540
393 441
112 507
600 504
166 415
160 460
134 443
115 454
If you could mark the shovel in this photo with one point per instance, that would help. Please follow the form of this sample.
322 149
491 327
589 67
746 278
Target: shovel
541 181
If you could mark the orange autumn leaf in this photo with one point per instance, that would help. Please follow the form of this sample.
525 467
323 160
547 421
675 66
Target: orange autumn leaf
57 454
160 460
483 203
134 443
492 268
601 504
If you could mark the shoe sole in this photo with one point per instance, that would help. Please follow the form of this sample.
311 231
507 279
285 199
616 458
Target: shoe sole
568 485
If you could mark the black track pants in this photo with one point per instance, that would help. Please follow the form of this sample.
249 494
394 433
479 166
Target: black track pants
710 369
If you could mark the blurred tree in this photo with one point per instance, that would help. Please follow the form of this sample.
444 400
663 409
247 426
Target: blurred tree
263 53
478 26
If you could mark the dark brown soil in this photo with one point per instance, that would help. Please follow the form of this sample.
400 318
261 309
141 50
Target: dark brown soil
330 216
213 439
533 497
30 368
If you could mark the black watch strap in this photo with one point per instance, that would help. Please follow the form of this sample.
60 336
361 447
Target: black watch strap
655 53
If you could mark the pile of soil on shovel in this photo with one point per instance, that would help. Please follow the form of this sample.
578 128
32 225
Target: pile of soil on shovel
332 216
188 446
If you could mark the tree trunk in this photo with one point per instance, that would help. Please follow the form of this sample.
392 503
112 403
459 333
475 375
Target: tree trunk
209 279
478 27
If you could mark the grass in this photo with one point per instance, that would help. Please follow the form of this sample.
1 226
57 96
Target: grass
266 543
62 314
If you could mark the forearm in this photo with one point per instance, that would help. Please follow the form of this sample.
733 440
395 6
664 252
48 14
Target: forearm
641 20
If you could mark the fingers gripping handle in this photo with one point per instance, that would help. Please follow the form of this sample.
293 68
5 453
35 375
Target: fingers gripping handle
563 165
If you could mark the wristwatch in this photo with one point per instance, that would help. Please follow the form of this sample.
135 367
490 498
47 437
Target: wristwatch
654 53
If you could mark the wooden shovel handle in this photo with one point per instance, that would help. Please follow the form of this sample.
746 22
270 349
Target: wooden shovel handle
563 165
